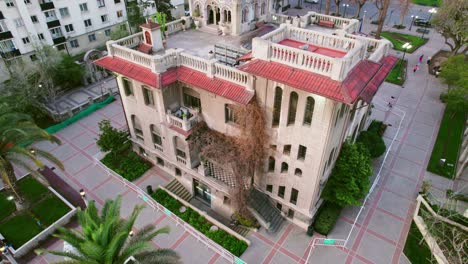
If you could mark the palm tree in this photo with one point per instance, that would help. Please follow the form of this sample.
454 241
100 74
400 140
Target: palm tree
17 132
108 239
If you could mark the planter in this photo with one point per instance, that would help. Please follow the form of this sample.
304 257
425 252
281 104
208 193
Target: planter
225 30
197 24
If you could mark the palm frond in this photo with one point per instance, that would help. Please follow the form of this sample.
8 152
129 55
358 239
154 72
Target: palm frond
160 256
46 155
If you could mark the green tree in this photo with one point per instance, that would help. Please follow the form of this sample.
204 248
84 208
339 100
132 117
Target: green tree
17 131
457 100
135 15
165 6
349 181
68 74
105 238
112 139
451 21
455 71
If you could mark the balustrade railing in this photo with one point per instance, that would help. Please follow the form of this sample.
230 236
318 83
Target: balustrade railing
321 39
132 55
194 62
131 41
174 26
230 74
276 35
338 21
183 123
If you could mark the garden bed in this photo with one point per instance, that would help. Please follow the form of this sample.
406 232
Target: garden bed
447 144
428 2
398 74
416 248
326 218
229 242
399 39
127 164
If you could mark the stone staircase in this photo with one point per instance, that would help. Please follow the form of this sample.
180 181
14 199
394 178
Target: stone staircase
178 189
211 29
240 230
264 209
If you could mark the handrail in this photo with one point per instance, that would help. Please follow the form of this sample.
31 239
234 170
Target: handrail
194 62
230 74
131 40
321 39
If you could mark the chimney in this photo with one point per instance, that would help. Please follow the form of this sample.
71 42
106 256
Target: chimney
152 35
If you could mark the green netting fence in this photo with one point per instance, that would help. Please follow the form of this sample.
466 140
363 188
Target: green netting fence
89 110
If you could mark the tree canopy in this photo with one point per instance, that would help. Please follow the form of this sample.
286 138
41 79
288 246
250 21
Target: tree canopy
451 21
165 6
454 73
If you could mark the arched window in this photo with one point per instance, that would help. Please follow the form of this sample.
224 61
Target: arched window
256 9
156 136
179 147
148 38
137 127
262 9
298 172
330 158
309 111
342 110
284 167
292 108
271 164
277 106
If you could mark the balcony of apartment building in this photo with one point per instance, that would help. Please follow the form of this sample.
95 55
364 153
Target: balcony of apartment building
52 19
5 33
57 35
46 5
183 107
8 49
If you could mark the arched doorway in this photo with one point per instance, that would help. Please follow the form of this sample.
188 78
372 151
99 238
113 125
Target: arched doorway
210 15
218 15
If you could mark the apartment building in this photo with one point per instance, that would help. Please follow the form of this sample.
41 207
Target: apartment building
314 84
72 26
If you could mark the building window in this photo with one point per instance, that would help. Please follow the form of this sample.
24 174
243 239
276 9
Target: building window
34 19
245 14
179 147
116 1
107 32
101 3
92 37
262 9
64 12
137 128
291 213
277 106
119 13
56 32
26 40
292 108
309 111
178 172
279 206
192 101
301 153
40 36
229 114
33 57
142 151
104 18
19 22
294 194
27 2
148 96
284 167
226 200
330 158
271 164
281 191
88 23
69 28
160 161
74 43
9 3
286 149
269 188
342 111
156 136
298 172
84 7
273 147
128 87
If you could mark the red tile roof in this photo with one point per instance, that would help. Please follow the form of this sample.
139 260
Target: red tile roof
371 88
226 89
150 25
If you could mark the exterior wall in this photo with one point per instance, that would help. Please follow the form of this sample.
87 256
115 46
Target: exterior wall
179 8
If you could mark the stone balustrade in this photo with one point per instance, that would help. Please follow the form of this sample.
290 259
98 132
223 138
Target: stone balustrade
184 123
174 26
230 74
195 62
130 41
320 39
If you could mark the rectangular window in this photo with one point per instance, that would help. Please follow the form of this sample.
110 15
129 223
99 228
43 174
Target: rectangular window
119 13
156 138
104 18
34 19
64 12
178 172
50 15
287 149
107 32
229 114
25 40
27 2
33 57
74 43
226 200
160 161
19 22
291 213
56 32
269 188
69 28
281 191
116 1
294 194
84 7
301 153
273 147
9 3
192 102
180 153
101 3
40 36
92 37
128 87
148 96
88 23
279 206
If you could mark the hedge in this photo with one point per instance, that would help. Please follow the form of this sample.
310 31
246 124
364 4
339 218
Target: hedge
372 139
223 238
7 207
128 164
326 218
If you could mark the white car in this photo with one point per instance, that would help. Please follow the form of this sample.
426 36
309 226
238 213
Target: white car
312 1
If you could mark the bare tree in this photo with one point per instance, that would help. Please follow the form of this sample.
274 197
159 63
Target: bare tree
337 7
404 6
382 6
360 4
327 7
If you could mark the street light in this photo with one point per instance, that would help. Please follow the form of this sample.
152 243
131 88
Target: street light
345 7
431 11
413 17
405 47
362 20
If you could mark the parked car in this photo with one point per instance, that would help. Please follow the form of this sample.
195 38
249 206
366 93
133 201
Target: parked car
422 22
312 1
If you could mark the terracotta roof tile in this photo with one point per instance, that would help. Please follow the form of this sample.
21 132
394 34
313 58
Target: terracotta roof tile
387 64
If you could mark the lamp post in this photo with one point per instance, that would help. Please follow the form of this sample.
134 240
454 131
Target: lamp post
362 20
83 196
345 7
431 12
320 6
405 47
413 17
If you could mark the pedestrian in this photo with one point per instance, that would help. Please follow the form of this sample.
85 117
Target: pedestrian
429 61
389 105
415 68
421 58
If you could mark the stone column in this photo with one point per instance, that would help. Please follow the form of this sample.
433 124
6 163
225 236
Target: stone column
236 19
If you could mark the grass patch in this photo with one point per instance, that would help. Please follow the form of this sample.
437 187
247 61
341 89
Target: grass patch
447 144
326 219
428 2
229 242
20 229
128 164
397 75
50 210
31 189
416 249
399 39
6 207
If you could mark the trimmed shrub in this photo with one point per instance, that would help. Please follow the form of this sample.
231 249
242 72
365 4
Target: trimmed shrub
6 207
326 218
129 165
373 142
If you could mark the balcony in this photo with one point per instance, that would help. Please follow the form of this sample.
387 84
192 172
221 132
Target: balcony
5 35
53 23
10 54
58 40
182 118
47 6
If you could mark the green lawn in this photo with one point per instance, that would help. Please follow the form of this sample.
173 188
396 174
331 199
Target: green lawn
31 189
428 2
50 210
129 165
447 144
417 253
399 39
20 229
397 75
6 207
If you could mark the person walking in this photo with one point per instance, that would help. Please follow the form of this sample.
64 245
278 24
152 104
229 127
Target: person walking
421 58
415 68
